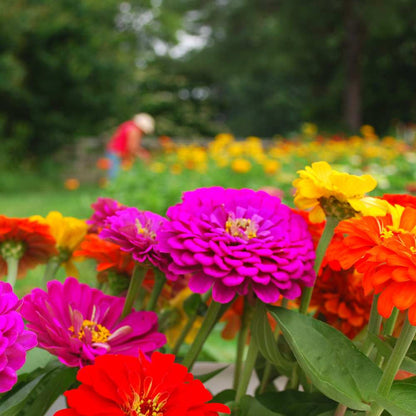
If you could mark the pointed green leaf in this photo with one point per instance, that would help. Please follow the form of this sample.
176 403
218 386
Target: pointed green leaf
297 403
333 363
263 336
249 406
208 376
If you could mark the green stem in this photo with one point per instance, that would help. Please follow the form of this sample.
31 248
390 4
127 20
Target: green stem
211 318
247 371
136 281
406 337
293 382
331 223
189 324
340 410
50 270
184 333
160 280
12 269
391 322
373 327
241 343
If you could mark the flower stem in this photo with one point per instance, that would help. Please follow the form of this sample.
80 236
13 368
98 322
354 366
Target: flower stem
373 327
214 312
189 324
340 410
136 281
247 370
391 322
160 280
50 270
241 343
12 268
407 334
331 223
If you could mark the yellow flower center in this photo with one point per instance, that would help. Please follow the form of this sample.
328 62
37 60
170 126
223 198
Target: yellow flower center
98 332
390 231
413 250
143 405
241 227
144 230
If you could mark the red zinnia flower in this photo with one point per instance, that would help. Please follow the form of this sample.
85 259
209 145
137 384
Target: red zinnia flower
400 199
127 386
28 241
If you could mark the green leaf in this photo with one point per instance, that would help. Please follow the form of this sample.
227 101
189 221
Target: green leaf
401 400
53 384
297 403
208 376
35 392
250 406
11 405
263 336
224 396
333 363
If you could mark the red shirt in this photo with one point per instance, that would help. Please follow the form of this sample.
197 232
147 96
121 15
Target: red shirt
118 142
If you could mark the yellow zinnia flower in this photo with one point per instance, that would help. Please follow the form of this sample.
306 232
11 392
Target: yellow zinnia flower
68 233
338 194
241 165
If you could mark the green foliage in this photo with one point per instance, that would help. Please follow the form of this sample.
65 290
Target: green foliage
35 392
65 71
401 400
297 403
331 361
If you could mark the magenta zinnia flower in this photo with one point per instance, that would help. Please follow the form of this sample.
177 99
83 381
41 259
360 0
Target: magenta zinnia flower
103 208
14 339
137 233
239 241
77 323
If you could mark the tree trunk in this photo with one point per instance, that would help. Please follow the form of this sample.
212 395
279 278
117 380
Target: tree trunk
353 53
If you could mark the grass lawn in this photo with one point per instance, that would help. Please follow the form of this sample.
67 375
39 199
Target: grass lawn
40 202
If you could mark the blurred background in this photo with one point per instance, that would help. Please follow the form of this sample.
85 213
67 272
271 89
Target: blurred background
71 71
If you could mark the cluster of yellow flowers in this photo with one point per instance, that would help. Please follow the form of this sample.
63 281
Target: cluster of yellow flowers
281 156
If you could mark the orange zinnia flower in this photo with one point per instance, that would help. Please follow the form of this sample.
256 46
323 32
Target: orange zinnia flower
367 232
107 254
390 270
28 241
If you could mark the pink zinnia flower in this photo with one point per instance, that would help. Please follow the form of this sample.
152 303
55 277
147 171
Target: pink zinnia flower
103 208
237 242
14 339
137 233
78 323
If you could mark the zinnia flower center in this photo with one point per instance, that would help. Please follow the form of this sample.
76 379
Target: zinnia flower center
143 405
12 249
99 333
244 228
144 230
390 231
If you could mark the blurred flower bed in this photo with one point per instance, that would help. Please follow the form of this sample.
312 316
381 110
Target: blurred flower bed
259 164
